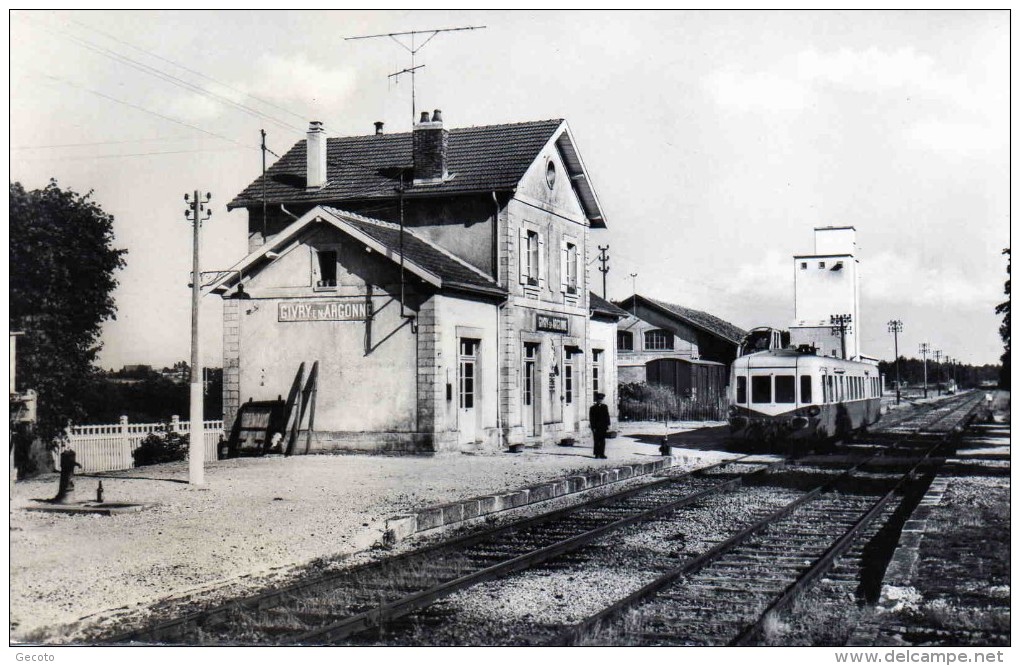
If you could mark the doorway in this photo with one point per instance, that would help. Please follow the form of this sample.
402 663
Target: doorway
467 389
569 392
530 391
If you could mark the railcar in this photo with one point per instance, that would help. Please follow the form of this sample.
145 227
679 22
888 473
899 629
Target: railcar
796 395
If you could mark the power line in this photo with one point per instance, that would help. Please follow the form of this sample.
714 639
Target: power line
98 143
101 157
143 109
188 69
170 78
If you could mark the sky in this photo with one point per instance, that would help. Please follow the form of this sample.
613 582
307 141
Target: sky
716 141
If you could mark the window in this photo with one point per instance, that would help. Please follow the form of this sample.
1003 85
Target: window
803 265
327 268
821 264
596 366
531 248
742 390
466 374
658 339
568 383
532 258
805 389
761 389
624 341
568 268
786 389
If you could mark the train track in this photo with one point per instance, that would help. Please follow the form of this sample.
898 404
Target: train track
328 608
730 594
340 606
706 600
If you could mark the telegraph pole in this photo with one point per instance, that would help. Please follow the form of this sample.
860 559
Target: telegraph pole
841 326
604 268
938 374
896 327
924 349
633 287
196 440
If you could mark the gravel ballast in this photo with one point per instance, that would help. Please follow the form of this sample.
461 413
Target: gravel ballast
257 522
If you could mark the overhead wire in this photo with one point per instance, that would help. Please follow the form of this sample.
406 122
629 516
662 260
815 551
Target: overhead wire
100 157
170 78
187 69
143 109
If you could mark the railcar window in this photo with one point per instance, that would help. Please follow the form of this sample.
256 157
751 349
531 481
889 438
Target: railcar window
805 389
761 389
786 389
742 390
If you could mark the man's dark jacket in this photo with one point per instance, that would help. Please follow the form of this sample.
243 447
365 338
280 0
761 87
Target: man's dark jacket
598 417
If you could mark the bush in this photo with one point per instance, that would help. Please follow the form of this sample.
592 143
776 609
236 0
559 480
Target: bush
161 447
640 401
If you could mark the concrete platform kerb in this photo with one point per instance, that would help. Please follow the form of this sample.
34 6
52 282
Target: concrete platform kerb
403 526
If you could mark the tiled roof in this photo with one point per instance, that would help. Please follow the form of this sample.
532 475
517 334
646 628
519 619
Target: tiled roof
699 319
601 306
452 271
480 159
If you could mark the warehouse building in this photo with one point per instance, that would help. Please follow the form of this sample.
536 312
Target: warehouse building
436 279
688 350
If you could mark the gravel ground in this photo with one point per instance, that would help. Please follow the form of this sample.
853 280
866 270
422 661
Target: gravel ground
567 590
257 522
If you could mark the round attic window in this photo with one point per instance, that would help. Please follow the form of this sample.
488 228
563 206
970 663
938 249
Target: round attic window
550 174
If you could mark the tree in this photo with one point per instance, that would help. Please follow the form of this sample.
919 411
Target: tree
62 281
1003 309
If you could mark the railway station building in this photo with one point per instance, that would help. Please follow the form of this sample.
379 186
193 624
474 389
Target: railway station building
688 350
437 279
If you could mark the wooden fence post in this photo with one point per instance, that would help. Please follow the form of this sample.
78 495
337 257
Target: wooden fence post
175 423
125 440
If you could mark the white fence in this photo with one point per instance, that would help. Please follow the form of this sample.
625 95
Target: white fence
108 447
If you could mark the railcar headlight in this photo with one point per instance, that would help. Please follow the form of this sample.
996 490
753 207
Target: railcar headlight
814 410
733 410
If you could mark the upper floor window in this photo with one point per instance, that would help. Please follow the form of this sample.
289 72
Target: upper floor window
568 268
625 341
327 268
531 257
658 339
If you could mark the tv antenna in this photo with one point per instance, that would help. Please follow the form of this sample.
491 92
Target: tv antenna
413 49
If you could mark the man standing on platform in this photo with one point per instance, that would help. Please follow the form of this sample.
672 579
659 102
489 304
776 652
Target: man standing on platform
598 418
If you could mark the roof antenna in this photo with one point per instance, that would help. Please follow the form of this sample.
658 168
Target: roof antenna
413 50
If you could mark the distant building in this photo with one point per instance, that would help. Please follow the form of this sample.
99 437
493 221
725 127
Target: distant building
469 327
827 284
664 343
605 317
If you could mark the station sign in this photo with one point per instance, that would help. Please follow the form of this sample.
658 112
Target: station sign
551 322
325 311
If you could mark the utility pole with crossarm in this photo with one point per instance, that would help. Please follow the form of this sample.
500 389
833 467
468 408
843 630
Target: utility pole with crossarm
196 214
896 327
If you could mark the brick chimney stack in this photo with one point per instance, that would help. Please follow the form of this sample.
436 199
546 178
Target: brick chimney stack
316 154
431 142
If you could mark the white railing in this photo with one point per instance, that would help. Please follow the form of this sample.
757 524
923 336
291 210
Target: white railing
108 447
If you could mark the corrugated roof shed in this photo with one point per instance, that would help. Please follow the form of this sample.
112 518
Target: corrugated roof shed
698 319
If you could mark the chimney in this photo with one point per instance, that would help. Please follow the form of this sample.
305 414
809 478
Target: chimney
378 127
430 145
316 152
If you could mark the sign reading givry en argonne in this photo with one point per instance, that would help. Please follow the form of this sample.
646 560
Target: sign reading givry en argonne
554 323
325 311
